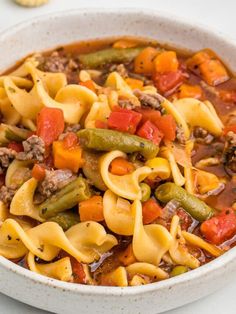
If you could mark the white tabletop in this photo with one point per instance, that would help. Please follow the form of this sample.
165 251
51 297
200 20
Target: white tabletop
216 13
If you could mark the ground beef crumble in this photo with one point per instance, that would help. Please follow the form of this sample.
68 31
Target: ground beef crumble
34 149
148 100
202 136
6 156
54 181
230 151
6 195
57 62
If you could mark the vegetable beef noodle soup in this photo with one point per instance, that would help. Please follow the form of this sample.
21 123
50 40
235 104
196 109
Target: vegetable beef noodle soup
117 162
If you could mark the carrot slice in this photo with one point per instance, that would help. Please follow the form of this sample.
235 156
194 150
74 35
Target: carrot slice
38 172
166 61
143 63
120 166
91 209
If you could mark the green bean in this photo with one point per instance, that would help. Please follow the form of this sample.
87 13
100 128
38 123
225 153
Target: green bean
108 140
66 198
178 270
66 219
10 133
194 206
91 169
110 55
146 191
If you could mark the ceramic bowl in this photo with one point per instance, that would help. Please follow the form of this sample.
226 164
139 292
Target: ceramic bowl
60 297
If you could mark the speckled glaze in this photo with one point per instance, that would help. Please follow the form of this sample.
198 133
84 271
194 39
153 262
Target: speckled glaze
59 297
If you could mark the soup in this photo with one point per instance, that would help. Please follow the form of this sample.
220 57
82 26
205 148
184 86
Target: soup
117 161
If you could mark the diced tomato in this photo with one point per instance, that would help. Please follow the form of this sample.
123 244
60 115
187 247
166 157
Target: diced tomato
2 179
149 131
31 133
227 95
48 161
79 275
50 124
167 125
185 219
220 228
70 140
18 147
89 84
151 211
149 114
124 120
101 124
38 172
229 128
168 81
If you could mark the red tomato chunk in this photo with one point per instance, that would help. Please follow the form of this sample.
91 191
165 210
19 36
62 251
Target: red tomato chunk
151 211
16 147
167 125
50 124
168 81
150 132
124 120
220 228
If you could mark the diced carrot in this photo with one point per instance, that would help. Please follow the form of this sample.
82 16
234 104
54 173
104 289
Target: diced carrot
190 91
127 256
210 67
70 140
151 211
89 84
120 166
67 158
166 61
143 63
38 172
213 72
91 209
125 43
133 83
198 58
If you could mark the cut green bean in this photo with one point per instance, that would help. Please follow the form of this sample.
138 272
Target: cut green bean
110 55
194 206
66 219
65 199
178 270
91 169
108 140
9 133
146 191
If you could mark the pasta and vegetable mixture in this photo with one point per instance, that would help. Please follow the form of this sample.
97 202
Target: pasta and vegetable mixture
117 162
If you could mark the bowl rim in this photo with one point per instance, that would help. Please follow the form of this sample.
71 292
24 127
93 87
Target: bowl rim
216 264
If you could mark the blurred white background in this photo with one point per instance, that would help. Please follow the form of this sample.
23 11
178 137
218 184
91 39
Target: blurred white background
216 14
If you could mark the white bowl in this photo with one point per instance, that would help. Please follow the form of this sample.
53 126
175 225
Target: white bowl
60 297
